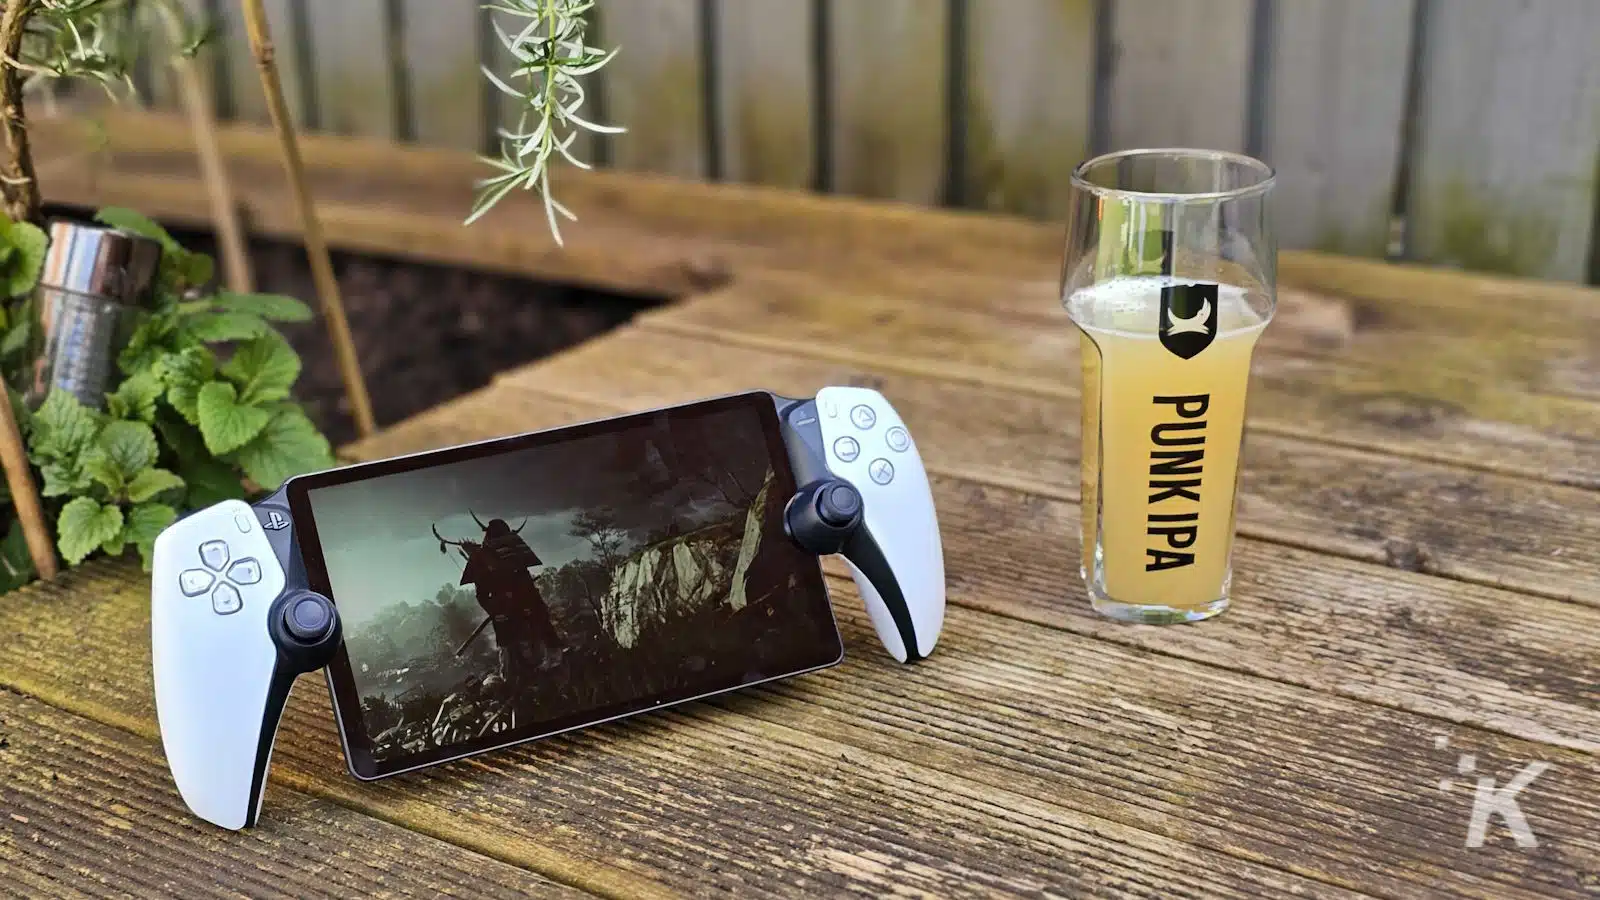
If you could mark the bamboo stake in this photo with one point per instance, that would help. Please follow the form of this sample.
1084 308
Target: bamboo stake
224 209
22 204
316 248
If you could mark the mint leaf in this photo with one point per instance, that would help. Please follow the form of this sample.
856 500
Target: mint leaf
225 423
155 336
138 223
16 564
290 445
263 369
144 524
272 307
196 268
185 373
85 525
210 482
22 268
64 478
136 397
182 439
213 327
152 482
131 447
16 338
62 427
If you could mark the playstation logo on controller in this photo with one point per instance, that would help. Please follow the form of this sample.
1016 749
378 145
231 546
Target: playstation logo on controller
275 521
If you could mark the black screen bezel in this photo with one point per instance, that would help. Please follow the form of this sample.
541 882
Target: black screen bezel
340 674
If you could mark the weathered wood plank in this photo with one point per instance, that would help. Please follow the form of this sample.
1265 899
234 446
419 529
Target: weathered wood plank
1180 74
1335 104
1505 163
1068 780
653 87
764 92
888 114
1347 501
246 99
1411 406
350 60
89 811
1031 76
441 63
659 236
1010 529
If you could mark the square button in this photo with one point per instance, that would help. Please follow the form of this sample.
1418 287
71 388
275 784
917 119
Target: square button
214 554
225 600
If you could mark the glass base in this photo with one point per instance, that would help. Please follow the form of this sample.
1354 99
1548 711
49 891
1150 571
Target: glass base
1144 614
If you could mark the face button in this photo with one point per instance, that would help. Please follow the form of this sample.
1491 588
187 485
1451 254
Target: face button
846 449
863 417
881 470
897 439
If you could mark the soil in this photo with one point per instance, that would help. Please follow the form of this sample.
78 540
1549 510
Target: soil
424 334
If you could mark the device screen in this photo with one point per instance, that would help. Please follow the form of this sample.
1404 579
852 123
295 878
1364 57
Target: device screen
503 591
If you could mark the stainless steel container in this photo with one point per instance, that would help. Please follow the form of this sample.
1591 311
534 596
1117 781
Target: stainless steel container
86 306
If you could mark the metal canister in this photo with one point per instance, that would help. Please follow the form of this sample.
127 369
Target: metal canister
94 281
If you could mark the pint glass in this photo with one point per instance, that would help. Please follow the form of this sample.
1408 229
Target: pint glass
1168 275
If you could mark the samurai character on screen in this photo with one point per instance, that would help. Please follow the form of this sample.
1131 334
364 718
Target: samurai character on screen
498 568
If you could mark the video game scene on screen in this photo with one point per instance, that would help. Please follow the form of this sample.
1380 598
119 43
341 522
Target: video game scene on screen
495 595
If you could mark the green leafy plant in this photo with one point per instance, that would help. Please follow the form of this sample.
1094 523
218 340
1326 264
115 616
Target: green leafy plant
202 411
551 56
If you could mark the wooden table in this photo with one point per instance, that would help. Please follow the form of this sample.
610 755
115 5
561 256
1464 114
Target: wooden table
1416 605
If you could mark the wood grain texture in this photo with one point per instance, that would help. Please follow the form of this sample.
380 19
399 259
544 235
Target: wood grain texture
1031 76
90 811
1336 90
888 113
653 87
1010 525
245 98
350 59
1180 74
1506 156
1346 501
764 91
1018 761
665 237
441 61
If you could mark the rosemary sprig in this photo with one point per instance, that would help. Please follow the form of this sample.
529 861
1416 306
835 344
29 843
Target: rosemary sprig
98 40
551 56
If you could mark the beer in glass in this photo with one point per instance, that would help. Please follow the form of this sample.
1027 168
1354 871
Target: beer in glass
1169 277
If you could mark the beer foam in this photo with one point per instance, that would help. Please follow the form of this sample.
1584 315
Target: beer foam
1131 306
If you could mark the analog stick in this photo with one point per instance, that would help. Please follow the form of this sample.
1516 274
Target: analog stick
839 505
309 618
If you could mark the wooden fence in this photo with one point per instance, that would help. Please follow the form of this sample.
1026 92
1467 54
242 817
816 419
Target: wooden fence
1460 132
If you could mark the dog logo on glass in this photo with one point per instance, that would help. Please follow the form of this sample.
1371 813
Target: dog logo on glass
1188 318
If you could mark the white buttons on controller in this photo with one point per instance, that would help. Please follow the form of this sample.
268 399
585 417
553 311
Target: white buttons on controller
830 409
225 600
897 439
881 471
863 417
245 571
846 449
214 554
244 522
195 581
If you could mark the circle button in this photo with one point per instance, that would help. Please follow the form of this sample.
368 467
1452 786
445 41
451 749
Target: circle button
863 417
897 439
846 449
881 471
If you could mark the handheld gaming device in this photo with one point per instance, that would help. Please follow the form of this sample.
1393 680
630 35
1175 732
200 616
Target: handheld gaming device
479 596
